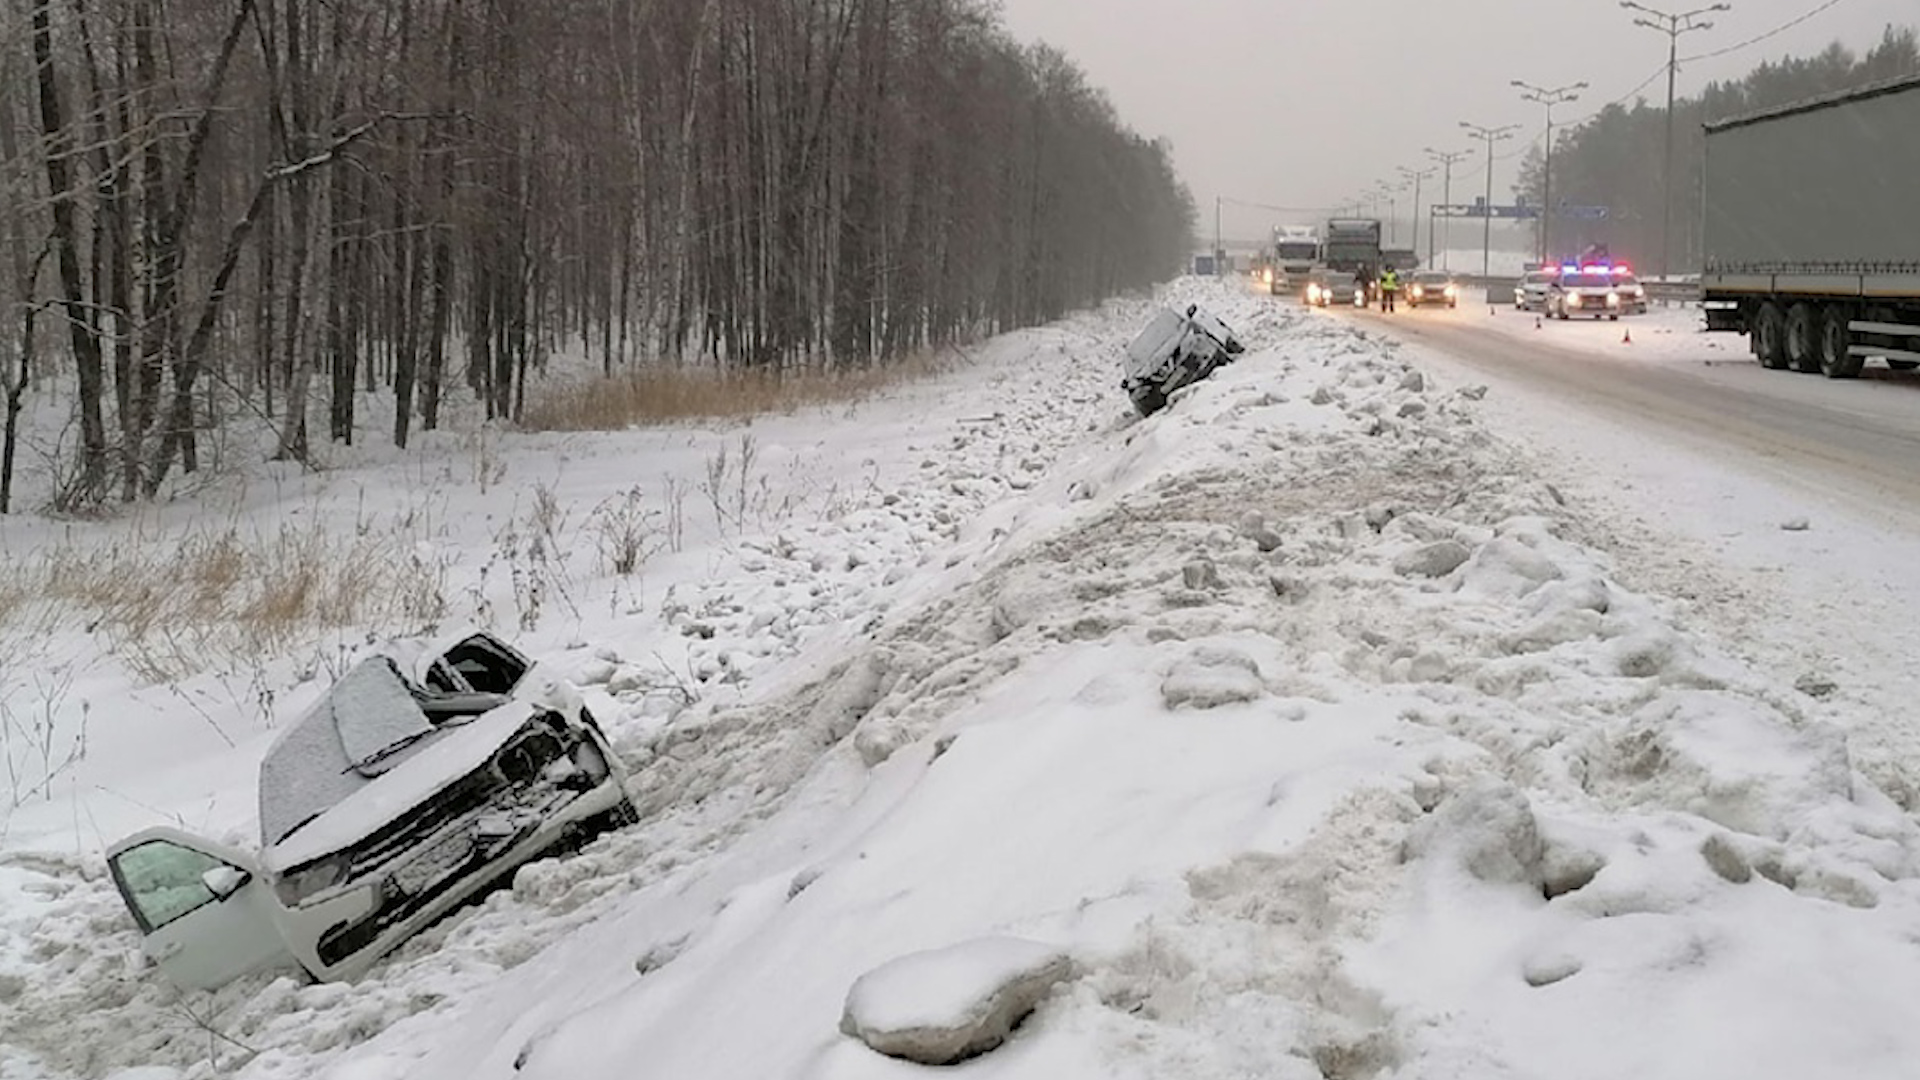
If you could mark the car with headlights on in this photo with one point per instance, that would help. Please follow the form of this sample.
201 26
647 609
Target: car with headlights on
1530 292
1430 287
398 796
1331 287
1633 295
1590 293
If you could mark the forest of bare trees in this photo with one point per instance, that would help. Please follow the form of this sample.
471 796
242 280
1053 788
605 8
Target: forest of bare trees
1607 159
271 205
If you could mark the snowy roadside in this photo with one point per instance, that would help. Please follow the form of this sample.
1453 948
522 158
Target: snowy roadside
1296 715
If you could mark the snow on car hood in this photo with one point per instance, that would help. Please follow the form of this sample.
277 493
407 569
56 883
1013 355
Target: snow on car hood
310 767
450 753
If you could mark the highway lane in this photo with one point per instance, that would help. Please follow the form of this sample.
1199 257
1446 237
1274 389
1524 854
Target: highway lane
1858 440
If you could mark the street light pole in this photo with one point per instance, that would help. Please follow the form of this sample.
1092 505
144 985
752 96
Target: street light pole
1218 254
1672 25
1416 176
1488 135
1557 96
1446 198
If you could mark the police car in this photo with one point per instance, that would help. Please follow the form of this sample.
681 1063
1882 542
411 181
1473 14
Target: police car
1595 290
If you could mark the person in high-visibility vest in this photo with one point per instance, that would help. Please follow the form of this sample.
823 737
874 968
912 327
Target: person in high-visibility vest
1389 285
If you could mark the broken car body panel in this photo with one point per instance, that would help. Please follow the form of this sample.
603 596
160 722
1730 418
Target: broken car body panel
1175 350
388 804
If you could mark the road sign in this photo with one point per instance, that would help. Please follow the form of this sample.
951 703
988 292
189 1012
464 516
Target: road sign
1520 213
1482 210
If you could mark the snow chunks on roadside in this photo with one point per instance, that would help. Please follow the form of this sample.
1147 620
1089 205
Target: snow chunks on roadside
1212 676
943 1006
1486 829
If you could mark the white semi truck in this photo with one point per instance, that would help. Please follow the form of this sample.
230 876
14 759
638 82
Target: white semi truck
1812 230
1296 254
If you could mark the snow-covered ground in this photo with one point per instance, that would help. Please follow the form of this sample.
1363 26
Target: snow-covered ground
1348 719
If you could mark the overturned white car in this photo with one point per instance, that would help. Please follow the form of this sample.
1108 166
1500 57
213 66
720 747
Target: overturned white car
391 801
1175 350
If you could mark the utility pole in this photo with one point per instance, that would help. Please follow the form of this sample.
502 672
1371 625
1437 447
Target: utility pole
1446 198
1219 254
1488 135
1557 96
1416 176
1672 25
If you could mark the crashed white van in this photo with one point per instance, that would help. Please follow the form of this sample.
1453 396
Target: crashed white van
390 802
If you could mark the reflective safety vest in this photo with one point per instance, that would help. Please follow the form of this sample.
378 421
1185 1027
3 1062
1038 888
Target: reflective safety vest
1390 281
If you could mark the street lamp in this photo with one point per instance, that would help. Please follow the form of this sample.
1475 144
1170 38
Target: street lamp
1557 96
1416 176
1672 25
1390 191
1488 135
1446 196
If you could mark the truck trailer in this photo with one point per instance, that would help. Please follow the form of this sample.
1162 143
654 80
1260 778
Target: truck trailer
1812 230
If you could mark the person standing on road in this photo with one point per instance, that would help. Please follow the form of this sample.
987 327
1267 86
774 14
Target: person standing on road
1389 285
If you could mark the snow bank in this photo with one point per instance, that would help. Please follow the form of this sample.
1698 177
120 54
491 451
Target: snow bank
1299 715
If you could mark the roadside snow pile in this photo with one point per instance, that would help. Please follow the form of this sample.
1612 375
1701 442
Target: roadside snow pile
1291 714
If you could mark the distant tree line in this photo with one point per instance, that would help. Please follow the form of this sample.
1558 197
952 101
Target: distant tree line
1613 159
273 203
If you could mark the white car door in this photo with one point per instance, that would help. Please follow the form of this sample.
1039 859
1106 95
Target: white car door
204 911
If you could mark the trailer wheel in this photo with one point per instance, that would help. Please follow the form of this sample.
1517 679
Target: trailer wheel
1834 339
1803 338
1769 336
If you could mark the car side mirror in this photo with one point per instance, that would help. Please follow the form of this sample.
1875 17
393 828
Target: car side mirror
224 881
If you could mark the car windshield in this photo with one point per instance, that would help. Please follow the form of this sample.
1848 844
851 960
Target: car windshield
1539 278
1429 278
1586 281
1339 279
1625 279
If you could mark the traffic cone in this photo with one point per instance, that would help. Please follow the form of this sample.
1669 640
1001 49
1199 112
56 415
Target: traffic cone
1626 335
1536 322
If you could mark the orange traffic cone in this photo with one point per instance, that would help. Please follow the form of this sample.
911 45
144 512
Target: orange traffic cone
1626 335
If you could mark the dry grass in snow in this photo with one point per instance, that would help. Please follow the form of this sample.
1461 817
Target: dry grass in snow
654 395
172 605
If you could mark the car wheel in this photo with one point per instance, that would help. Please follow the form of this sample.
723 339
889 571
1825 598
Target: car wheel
1610 318
1148 400
1803 346
1769 330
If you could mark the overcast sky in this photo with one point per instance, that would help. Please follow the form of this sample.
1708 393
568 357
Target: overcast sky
1308 102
